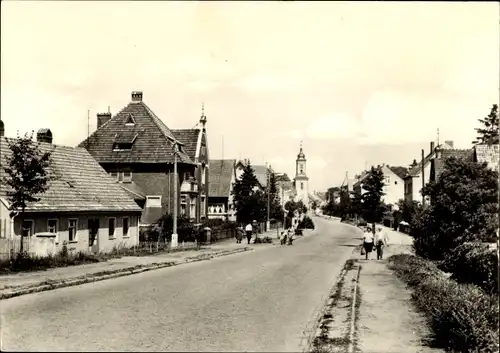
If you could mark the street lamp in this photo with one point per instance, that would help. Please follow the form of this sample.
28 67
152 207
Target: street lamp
175 237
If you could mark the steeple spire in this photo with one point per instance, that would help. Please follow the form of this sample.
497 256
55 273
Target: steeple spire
203 118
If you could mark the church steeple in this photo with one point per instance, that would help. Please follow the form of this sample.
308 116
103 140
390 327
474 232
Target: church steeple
301 156
203 118
301 180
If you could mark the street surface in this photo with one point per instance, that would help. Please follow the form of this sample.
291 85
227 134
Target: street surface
254 301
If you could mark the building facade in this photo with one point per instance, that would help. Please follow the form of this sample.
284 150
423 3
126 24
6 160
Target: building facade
137 150
220 201
82 207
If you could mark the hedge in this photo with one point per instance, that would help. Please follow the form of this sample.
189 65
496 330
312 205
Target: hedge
463 317
474 263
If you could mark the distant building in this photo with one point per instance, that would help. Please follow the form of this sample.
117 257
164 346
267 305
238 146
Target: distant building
413 180
83 207
437 163
261 172
221 177
301 180
286 191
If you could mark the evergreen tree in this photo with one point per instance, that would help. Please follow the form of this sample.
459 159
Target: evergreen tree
372 206
275 208
489 132
27 174
250 203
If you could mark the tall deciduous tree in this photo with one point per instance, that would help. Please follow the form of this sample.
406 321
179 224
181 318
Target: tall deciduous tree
463 208
488 133
372 206
250 203
276 210
27 174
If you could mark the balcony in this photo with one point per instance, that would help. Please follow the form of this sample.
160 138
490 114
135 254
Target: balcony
189 186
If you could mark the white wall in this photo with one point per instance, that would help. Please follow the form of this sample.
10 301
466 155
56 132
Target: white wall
394 187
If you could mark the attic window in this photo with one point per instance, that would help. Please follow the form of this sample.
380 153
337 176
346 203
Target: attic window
130 120
124 141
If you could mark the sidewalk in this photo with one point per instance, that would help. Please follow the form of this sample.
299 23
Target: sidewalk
387 321
29 282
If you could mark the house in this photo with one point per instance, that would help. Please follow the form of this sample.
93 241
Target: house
413 180
137 149
393 183
261 172
437 163
83 207
221 179
286 191
487 153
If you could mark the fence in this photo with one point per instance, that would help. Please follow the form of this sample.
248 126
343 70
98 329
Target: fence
9 247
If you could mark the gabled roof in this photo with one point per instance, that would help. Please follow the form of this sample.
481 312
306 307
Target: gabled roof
153 139
416 170
133 190
260 172
282 177
220 174
399 171
189 137
438 163
81 184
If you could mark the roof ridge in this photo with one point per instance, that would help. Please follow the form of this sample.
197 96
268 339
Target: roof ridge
158 122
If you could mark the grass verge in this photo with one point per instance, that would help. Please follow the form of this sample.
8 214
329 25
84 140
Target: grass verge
463 317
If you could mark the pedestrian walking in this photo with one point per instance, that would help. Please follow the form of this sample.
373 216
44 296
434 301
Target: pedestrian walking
249 231
368 241
381 240
239 234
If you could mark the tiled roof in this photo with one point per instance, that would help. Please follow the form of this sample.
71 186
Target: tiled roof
81 184
282 177
220 175
260 172
416 170
399 171
489 154
439 162
153 142
133 190
189 137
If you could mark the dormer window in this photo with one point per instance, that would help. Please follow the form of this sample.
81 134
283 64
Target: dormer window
130 120
124 141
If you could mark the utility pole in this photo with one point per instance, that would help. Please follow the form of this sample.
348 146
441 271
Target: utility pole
175 237
423 180
268 223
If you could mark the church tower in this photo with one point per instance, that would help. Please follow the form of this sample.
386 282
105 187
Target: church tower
301 180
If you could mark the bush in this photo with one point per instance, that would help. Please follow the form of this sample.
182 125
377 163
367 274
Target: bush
474 263
463 317
27 262
307 223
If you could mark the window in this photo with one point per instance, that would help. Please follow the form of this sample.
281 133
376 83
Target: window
192 211
114 175
28 228
122 146
111 227
130 120
52 227
203 175
301 186
72 229
153 201
125 227
183 204
203 151
127 177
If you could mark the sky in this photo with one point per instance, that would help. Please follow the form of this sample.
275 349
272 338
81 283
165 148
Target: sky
359 83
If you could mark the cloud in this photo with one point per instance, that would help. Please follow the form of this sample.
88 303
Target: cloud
333 126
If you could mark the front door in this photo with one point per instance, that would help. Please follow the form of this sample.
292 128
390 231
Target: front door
94 235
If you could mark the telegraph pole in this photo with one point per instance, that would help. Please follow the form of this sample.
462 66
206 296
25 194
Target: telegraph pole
175 237
268 223
423 180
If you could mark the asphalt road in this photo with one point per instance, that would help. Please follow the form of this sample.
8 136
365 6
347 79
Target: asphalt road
253 301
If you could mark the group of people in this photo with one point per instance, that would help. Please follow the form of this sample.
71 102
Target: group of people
287 236
240 233
374 241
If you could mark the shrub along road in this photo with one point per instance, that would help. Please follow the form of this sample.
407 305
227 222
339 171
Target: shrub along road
253 301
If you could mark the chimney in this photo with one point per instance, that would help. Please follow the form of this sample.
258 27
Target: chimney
432 147
103 118
44 135
136 96
449 143
2 128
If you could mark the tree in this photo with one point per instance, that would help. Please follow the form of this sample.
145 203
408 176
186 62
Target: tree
489 132
275 208
463 208
291 207
250 203
408 209
27 174
371 200
314 205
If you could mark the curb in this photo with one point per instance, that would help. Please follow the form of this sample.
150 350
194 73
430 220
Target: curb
118 273
352 329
